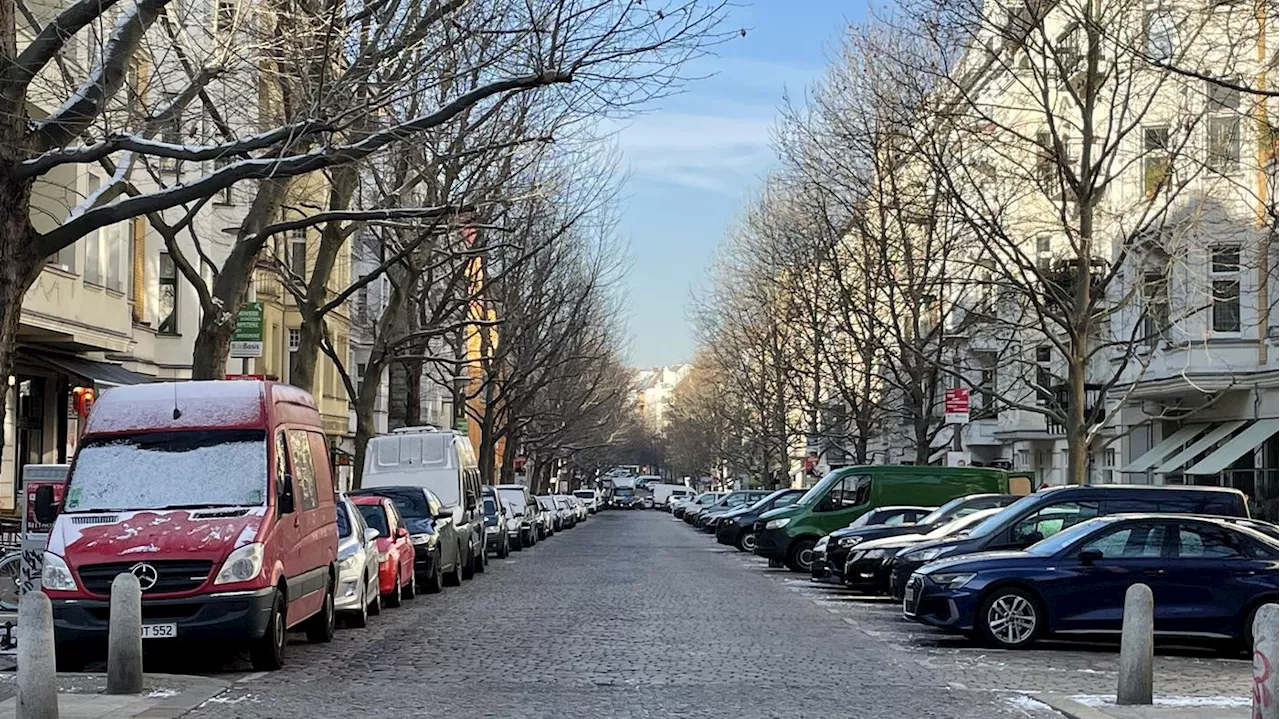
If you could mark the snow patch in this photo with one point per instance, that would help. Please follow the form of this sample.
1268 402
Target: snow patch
142 549
124 474
1098 700
161 693
1026 703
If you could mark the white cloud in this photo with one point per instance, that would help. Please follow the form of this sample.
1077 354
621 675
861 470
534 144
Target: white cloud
704 151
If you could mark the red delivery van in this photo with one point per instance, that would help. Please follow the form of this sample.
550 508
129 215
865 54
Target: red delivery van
218 497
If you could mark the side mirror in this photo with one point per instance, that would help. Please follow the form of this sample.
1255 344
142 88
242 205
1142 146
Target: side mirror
1089 556
371 534
444 512
285 503
471 502
46 510
401 532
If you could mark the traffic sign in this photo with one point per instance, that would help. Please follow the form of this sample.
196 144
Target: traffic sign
956 405
246 339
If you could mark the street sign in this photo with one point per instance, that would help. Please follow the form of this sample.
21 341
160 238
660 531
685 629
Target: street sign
956 405
246 339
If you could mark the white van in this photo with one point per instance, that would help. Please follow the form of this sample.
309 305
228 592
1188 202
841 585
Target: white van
662 492
442 461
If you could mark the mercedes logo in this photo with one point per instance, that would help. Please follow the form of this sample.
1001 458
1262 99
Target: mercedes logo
146 574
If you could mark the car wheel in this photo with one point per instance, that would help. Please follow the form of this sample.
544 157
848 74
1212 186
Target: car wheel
359 619
518 545
505 550
435 583
411 591
1010 618
375 606
320 628
394 599
800 558
1244 644
469 566
482 562
454 577
267 654
747 541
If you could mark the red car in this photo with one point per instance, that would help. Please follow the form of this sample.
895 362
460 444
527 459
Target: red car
395 550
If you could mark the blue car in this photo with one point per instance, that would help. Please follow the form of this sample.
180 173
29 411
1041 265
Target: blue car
1208 576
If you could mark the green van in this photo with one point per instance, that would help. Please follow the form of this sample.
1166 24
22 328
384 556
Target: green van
788 534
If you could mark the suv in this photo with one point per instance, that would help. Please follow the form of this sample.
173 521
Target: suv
218 497
1052 510
443 462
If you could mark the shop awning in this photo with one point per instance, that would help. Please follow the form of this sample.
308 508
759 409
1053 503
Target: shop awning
1246 441
103 374
1212 437
1164 448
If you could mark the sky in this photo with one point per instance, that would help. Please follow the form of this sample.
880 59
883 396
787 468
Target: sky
694 159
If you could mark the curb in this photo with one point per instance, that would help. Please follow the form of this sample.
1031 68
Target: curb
196 690
1069 707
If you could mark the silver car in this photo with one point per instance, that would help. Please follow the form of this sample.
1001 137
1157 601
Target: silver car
358 595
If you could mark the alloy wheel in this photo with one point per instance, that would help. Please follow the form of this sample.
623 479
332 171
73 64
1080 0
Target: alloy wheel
1012 619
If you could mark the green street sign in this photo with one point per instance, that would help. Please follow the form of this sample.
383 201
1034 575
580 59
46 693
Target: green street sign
246 339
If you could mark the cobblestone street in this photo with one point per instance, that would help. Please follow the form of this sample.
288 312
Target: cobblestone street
628 615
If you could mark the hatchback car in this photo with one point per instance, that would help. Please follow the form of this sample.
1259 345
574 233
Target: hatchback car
431 529
396 575
737 528
496 537
1208 578
358 595
870 564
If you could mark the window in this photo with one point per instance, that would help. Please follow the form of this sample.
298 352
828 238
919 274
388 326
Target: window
167 307
225 16
298 253
304 477
1133 542
1051 520
114 241
1044 373
1018 24
359 378
1224 143
852 491
987 383
1206 542
1044 251
1156 160
1155 307
224 196
171 128
1225 275
66 258
1046 164
1158 27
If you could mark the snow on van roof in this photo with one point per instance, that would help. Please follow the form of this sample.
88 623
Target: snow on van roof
132 408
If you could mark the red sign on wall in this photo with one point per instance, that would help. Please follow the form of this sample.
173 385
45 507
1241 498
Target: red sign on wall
956 405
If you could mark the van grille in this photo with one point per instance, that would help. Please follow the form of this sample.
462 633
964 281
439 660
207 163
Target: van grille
173 575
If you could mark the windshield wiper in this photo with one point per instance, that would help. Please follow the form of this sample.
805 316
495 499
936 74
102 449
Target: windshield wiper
203 505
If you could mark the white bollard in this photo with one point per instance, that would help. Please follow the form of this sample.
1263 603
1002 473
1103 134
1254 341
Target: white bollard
124 636
37 668
1266 623
1137 646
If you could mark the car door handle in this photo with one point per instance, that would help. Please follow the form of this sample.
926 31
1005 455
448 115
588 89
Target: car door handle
1154 571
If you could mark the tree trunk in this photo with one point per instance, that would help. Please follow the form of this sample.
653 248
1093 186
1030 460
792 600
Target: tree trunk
366 402
332 240
20 264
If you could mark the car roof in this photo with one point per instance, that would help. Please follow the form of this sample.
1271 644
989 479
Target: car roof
1137 488
896 507
368 499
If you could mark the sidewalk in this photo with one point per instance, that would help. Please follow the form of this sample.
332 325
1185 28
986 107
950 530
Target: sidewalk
81 696
1088 706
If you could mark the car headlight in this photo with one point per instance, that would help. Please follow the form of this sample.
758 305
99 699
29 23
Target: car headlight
420 538
241 565
925 555
56 574
952 580
349 562
777 523
874 554
849 541
822 543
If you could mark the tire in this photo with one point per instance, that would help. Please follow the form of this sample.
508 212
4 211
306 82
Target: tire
320 628
746 541
1009 618
412 590
482 563
360 619
800 556
469 568
454 578
505 550
395 598
267 654
375 606
70 659
1244 642
519 544
10 579
435 583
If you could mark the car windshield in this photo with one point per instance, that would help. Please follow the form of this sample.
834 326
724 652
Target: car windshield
585 494
514 509
490 507
997 520
546 503
1065 538
512 497
942 512
375 517
624 492
206 468
344 522
819 490
962 524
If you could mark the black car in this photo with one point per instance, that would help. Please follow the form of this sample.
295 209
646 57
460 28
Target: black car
1052 510
707 519
436 560
871 562
835 552
736 528
496 538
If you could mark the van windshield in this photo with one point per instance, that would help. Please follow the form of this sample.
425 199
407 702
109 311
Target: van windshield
817 491
996 521
170 470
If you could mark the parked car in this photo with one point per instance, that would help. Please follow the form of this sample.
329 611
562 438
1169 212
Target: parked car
1208 577
829 562
895 516
1049 511
576 506
788 535
396 575
436 556
559 518
568 516
737 528
547 517
663 492
725 502
496 537
358 592
674 497
215 494
590 498
697 503
706 519
531 525
444 462
869 564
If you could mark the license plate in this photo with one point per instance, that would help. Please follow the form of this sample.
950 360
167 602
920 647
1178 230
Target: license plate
159 631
